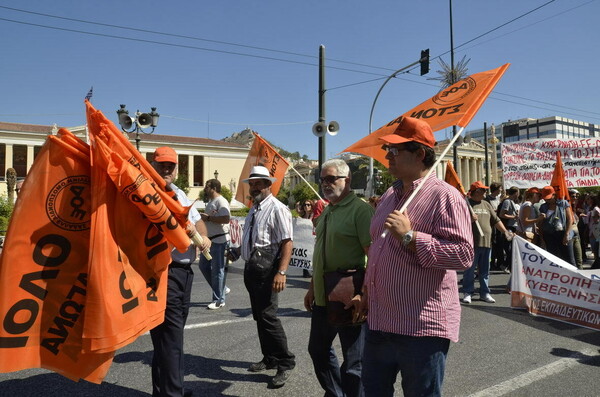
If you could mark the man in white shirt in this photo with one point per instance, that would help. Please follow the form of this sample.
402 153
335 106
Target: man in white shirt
216 217
268 232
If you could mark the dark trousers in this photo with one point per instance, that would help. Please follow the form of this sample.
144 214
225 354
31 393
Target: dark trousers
167 338
554 245
264 303
497 259
421 362
336 381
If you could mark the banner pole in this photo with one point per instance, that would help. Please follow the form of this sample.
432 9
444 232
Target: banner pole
301 177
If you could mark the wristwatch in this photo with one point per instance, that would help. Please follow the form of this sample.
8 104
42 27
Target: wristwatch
407 238
281 272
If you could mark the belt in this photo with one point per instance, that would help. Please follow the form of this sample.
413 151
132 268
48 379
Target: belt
179 265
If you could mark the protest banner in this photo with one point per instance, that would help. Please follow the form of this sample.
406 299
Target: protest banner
549 287
261 153
304 241
530 163
44 267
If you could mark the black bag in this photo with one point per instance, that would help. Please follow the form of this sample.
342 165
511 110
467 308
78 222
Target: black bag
261 263
340 287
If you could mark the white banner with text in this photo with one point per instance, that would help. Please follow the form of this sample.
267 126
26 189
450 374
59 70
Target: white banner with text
530 163
549 287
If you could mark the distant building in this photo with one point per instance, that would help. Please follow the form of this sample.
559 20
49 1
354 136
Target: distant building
199 158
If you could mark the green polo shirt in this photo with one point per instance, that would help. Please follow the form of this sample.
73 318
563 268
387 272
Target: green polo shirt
345 227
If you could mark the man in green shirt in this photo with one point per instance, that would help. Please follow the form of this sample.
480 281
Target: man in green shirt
343 241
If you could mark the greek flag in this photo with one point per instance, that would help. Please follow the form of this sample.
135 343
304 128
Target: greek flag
89 94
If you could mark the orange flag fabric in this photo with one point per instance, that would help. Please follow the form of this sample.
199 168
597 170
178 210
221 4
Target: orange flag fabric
559 182
261 153
44 267
452 178
129 250
455 105
106 130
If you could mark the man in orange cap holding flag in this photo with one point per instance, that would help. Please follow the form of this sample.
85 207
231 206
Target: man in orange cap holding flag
411 285
167 338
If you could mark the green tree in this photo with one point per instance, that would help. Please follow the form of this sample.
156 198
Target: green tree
182 182
6 209
284 195
302 192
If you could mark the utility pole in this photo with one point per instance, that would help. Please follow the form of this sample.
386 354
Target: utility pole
321 106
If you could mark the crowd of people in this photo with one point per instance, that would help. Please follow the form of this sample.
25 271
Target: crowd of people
567 228
409 244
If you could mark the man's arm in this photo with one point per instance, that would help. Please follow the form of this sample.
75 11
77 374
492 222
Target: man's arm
286 255
222 219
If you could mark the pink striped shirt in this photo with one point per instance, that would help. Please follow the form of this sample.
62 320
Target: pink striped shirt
416 294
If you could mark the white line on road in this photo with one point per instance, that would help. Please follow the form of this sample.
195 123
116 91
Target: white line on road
220 322
535 375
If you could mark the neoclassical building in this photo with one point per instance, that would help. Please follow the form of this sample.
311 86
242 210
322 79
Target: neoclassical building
199 158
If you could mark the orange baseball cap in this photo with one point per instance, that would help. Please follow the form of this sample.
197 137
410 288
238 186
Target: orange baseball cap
478 185
547 192
164 154
411 129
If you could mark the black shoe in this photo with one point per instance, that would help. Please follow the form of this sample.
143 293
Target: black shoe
281 377
261 366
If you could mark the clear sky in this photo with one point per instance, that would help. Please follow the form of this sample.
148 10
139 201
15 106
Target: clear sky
213 68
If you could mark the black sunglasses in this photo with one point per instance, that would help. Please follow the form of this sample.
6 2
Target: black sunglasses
331 178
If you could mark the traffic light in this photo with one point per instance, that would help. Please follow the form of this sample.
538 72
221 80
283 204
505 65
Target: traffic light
424 61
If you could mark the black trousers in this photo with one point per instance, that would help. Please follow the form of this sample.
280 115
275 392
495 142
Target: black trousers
264 303
167 338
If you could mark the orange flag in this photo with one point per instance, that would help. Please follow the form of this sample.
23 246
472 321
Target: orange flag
44 267
131 224
261 153
452 178
559 182
455 105
104 129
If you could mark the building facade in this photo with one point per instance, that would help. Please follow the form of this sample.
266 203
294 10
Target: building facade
200 159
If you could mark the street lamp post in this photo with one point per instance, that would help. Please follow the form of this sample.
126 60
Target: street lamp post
137 124
494 142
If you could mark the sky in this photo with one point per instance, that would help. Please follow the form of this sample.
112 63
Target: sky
212 68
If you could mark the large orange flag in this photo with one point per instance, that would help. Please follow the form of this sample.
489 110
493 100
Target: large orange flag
455 105
44 267
559 182
131 224
104 129
261 153
452 178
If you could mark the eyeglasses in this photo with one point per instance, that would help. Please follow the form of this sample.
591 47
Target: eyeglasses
331 178
394 150
307 205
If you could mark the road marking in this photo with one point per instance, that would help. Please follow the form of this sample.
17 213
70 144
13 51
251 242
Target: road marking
220 322
535 375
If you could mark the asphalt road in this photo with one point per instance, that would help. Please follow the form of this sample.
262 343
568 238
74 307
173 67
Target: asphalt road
501 352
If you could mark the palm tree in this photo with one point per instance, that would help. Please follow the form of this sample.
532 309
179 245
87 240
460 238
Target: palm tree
448 76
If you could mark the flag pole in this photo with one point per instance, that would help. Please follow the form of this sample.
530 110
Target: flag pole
301 177
420 185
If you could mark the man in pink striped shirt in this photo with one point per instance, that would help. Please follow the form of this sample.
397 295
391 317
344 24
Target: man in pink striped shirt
411 285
